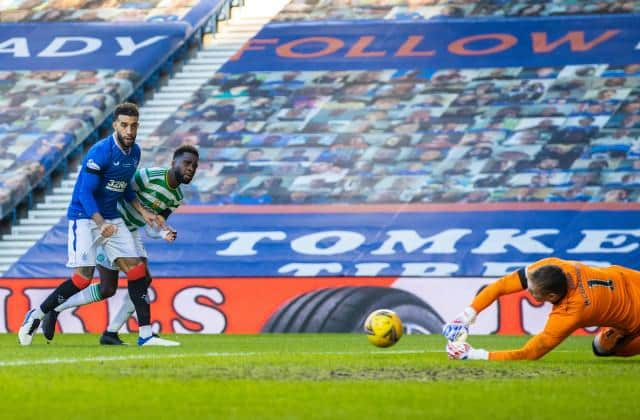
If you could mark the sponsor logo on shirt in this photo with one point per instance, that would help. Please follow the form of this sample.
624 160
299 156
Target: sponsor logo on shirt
92 165
117 186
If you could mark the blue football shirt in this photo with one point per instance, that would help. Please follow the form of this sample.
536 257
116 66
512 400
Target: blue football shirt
115 168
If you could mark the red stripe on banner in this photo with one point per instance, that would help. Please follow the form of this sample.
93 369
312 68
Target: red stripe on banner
186 305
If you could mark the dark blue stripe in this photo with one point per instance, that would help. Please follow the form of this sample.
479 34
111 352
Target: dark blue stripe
75 227
522 274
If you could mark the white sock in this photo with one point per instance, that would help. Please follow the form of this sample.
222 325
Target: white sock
88 295
126 310
145 331
37 313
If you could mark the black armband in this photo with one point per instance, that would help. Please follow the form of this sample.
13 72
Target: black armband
522 274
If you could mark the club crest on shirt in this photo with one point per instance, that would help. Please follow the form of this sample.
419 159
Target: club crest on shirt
91 164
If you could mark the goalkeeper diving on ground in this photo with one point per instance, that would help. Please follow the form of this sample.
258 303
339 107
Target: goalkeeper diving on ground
581 295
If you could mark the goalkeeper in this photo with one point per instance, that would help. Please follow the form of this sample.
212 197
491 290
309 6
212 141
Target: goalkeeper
158 189
581 296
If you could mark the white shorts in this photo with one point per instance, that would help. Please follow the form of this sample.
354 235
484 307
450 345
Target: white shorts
84 239
104 260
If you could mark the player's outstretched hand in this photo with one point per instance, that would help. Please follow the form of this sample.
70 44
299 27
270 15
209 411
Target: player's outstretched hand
455 330
169 234
457 350
108 229
458 328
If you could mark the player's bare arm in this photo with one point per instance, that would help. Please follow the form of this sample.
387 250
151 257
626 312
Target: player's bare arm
106 229
149 217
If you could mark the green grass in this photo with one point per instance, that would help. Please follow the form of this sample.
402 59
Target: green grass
308 376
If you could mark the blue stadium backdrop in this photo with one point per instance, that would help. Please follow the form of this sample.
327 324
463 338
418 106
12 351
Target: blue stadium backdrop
233 266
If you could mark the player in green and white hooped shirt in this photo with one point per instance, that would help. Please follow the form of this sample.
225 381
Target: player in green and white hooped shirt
158 189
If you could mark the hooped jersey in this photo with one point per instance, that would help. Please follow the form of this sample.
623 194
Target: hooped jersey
596 296
115 168
152 188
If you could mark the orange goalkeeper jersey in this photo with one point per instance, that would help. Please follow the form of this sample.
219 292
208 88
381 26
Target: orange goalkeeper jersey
595 297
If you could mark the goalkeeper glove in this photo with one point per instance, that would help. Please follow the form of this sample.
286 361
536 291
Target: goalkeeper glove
464 351
459 327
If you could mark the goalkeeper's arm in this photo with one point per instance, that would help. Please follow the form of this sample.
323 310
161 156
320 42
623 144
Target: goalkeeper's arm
511 283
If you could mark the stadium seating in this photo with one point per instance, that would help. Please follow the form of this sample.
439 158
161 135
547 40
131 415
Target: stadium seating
566 134
445 9
345 132
98 11
405 136
49 116
45 115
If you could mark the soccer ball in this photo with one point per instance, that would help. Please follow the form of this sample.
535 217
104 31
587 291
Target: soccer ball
383 328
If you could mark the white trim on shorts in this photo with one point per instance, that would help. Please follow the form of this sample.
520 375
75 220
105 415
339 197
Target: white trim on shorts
103 260
84 239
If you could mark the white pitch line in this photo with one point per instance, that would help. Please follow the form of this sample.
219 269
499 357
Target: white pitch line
58 361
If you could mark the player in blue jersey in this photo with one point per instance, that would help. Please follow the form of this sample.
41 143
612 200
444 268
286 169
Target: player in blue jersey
159 190
94 221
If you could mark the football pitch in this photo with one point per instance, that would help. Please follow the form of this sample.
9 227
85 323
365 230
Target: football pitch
329 376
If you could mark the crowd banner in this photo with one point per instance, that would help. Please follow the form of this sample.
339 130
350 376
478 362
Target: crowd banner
408 241
88 46
455 43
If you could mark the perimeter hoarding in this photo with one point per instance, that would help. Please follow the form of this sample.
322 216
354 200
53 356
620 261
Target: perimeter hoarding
254 305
